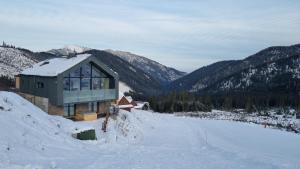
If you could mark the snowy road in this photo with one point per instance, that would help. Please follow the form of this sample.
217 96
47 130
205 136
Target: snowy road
29 138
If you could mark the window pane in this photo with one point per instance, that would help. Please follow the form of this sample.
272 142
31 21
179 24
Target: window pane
112 83
105 83
85 84
96 83
97 73
74 84
72 110
86 70
66 84
75 73
66 113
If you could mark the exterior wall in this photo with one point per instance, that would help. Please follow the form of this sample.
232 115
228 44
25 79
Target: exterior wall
55 110
28 85
103 107
81 108
40 102
86 116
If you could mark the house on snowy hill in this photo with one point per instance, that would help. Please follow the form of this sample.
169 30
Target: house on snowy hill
79 87
126 103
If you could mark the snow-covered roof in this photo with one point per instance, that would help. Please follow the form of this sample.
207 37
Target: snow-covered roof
55 66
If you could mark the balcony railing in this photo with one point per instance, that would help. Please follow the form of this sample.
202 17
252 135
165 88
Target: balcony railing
89 95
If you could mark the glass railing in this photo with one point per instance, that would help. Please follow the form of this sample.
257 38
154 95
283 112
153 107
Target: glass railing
89 95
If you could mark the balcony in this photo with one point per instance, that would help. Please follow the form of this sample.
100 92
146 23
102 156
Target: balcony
89 95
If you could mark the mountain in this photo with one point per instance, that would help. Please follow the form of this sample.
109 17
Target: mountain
14 60
138 80
282 75
203 78
68 49
158 71
162 73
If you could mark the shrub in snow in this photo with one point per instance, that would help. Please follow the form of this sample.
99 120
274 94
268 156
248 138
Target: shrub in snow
87 135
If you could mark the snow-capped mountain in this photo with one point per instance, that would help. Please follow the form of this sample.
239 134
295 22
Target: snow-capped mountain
282 75
163 73
203 78
68 49
158 71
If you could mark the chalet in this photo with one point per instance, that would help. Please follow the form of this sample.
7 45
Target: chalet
79 87
125 103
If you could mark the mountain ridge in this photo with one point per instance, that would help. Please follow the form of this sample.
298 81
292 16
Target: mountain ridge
14 60
205 76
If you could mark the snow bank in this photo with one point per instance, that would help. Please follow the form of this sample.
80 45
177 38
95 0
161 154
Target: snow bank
29 136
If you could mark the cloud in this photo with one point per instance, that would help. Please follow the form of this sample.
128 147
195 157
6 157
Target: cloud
183 34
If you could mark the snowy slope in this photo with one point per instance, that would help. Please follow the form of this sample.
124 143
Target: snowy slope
13 61
278 75
29 139
204 77
163 73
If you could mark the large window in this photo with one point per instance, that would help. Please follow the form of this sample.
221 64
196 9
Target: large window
69 110
87 77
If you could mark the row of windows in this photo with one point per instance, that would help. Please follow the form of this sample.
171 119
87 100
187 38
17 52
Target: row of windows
74 84
87 77
70 109
87 70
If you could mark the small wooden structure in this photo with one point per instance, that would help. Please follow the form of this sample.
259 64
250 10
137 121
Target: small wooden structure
125 103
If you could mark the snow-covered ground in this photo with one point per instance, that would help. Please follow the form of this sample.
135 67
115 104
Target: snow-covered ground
275 118
29 138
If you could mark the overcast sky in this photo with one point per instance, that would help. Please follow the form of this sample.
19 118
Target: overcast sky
185 34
